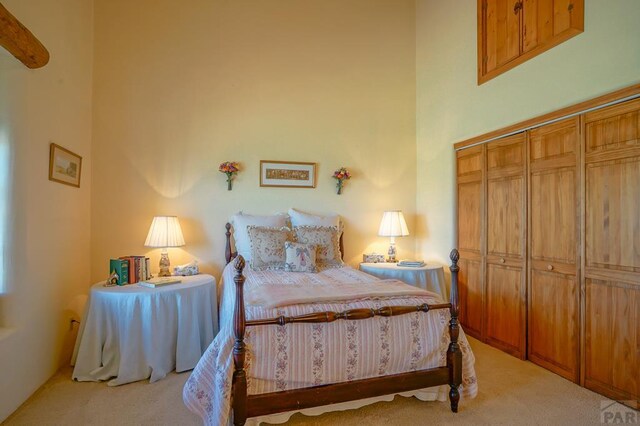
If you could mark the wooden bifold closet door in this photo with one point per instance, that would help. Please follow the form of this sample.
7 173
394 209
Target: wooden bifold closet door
612 252
505 289
470 169
554 296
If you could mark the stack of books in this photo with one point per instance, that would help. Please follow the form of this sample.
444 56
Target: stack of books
412 263
159 282
130 269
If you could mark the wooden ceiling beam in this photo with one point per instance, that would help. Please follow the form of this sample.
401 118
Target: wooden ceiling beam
20 42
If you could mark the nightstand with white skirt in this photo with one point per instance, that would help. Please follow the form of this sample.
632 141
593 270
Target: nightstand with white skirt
428 277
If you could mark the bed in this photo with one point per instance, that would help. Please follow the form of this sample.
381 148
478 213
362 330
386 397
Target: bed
270 361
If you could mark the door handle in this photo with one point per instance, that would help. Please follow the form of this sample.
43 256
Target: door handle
517 6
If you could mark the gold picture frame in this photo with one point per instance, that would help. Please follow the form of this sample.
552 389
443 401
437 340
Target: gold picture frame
287 174
64 166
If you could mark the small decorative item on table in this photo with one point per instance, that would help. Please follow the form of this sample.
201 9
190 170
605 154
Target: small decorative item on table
373 258
341 175
187 269
229 168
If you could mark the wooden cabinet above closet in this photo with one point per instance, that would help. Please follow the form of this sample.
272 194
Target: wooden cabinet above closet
511 32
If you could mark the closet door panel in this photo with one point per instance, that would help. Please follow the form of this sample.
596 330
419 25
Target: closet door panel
505 308
613 215
471 293
613 338
554 329
505 213
469 222
553 215
612 130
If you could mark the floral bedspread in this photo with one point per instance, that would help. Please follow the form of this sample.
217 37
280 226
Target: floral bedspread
302 355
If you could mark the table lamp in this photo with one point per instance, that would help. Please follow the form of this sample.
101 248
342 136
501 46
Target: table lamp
165 232
393 225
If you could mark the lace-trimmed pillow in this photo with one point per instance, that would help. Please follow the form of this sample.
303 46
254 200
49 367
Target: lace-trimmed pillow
241 221
327 240
267 247
300 257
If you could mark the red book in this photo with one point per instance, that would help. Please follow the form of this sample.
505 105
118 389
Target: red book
135 268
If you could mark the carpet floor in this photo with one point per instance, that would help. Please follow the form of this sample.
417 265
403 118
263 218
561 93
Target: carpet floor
511 392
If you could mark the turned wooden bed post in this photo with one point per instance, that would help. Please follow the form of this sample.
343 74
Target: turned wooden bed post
239 384
227 250
454 355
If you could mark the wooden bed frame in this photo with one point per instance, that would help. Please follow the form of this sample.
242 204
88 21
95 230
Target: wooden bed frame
245 406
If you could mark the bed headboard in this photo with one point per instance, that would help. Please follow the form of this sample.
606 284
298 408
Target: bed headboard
230 255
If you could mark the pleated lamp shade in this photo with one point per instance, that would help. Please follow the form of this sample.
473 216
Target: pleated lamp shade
165 231
393 225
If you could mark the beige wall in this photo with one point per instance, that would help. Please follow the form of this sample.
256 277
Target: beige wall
177 90
48 246
451 107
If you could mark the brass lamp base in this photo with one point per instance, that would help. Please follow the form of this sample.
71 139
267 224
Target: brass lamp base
164 265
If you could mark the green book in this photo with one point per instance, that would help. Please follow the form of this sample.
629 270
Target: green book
121 268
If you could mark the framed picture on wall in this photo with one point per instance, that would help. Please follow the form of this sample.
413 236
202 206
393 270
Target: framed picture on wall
287 174
64 166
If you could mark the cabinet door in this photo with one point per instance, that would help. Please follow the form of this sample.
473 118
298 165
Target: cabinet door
501 32
545 21
612 253
554 297
470 177
514 31
505 309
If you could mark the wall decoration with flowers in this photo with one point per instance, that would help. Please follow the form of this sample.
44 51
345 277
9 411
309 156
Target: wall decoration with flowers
340 176
229 168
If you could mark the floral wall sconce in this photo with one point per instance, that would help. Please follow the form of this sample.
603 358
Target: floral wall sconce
229 168
340 176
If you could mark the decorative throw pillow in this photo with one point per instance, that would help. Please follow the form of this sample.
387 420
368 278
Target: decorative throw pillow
300 257
299 218
241 221
327 241
267 247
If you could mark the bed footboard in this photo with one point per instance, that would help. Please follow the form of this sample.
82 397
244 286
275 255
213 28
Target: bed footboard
244 406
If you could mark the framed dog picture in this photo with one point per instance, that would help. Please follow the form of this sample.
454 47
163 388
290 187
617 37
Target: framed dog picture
64 166
287 174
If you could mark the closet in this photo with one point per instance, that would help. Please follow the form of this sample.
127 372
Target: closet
549 237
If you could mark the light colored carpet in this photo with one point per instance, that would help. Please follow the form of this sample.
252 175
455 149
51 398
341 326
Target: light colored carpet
511 392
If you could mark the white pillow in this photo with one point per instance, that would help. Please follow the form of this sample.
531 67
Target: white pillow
240 221
299 218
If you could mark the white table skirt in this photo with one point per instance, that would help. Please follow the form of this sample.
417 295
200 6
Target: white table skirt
428 277
132 333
